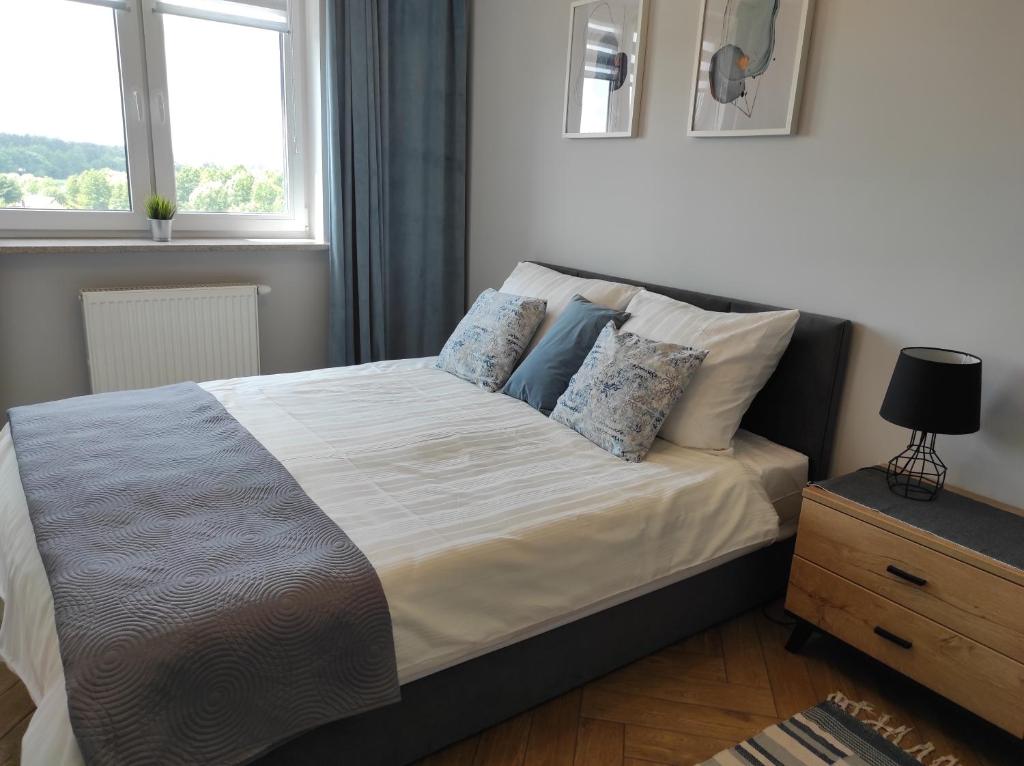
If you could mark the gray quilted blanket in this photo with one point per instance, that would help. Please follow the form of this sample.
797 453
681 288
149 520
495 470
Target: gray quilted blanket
206 608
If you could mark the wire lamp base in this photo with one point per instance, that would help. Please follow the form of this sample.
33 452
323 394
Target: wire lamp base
917 473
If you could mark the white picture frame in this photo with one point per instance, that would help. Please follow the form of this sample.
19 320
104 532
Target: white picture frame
708 114
630 16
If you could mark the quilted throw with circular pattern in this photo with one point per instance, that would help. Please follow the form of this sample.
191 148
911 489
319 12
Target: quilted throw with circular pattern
206 608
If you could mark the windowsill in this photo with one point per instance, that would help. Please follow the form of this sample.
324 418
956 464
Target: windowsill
96 245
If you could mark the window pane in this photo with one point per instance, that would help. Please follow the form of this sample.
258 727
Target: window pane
62 140
227 119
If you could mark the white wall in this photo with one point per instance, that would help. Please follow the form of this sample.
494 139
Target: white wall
42 338
900 205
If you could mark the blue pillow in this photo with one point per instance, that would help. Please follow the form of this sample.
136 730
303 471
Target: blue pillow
545 373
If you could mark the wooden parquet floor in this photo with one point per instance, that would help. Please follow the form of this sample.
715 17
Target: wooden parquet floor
684 704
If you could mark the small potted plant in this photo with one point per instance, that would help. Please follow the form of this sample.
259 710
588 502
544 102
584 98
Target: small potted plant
161 215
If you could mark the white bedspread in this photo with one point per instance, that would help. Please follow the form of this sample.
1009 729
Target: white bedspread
486 522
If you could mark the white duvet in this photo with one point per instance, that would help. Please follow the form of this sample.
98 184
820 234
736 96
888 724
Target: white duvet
485 521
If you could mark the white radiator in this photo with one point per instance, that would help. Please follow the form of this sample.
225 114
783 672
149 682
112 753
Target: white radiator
143 337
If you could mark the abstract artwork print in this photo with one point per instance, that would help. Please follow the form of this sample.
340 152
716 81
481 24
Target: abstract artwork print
749 64
604 70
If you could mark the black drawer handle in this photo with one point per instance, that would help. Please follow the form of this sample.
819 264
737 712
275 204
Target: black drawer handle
895 570
900 642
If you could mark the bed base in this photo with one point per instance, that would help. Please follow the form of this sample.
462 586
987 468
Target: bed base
450 705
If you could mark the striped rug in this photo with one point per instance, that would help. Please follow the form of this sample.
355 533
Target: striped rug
828 733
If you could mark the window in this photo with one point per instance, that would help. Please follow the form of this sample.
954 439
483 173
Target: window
107 101
228 124
50 160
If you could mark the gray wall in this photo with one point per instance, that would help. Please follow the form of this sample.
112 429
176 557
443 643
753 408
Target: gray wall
42 341
900 205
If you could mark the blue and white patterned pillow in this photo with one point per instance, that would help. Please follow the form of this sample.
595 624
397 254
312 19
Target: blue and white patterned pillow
621 395
491 337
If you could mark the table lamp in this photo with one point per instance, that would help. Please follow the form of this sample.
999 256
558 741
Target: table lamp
932 391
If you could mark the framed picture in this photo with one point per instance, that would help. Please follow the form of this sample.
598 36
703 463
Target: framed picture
605 68
749 67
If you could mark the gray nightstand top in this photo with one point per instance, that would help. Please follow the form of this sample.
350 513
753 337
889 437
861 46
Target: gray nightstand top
961 520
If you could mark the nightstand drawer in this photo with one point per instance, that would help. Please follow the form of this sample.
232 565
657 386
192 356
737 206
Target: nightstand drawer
978 678
972 602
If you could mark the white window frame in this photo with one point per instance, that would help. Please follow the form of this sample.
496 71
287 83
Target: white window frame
150 162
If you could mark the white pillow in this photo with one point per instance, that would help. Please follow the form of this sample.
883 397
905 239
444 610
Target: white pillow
557 289
743 352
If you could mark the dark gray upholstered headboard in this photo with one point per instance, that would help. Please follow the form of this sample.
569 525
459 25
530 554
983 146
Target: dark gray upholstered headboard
799 403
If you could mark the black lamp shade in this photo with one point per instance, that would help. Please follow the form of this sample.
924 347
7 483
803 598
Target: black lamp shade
935 390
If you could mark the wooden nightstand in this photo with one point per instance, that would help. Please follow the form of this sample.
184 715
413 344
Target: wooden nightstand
933 589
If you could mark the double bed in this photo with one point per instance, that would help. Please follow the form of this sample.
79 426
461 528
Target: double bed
518 559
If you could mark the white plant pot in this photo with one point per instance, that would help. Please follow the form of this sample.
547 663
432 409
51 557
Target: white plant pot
161 229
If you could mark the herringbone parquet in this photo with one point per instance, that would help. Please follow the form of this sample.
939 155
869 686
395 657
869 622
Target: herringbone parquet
687 702
682 705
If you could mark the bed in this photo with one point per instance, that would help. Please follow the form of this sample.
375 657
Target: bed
593 562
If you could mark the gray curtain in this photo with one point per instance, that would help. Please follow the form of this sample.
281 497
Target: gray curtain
395 80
